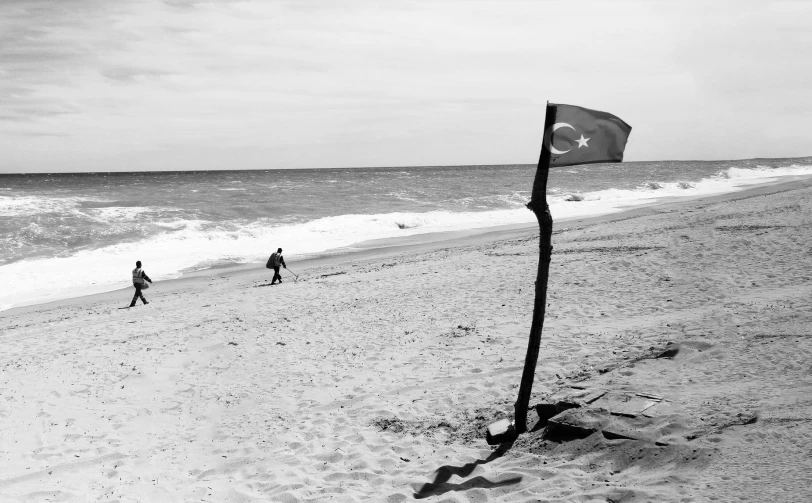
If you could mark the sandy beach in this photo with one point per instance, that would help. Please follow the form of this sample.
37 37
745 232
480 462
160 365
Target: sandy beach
373 377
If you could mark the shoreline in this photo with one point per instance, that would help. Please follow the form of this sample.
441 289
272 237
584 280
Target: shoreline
382 248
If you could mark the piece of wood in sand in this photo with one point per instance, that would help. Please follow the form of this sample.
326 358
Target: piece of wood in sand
624 403
500 432
538 204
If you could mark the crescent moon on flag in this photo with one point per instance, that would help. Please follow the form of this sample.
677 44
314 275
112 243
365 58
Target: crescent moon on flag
548 137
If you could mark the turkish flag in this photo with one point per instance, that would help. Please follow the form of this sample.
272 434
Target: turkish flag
575 135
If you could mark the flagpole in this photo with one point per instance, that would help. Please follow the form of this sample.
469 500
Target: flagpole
538 204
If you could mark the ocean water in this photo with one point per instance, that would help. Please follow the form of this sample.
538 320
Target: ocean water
64 235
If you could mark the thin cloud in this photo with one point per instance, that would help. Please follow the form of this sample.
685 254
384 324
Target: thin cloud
39 134
126 75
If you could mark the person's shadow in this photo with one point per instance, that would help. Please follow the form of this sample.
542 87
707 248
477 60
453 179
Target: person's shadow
440 485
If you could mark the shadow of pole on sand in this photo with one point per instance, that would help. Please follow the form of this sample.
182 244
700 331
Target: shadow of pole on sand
440 483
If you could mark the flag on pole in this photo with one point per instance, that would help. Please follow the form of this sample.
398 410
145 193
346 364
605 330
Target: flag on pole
578 135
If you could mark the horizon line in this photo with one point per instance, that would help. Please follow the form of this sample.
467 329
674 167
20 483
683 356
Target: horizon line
373 167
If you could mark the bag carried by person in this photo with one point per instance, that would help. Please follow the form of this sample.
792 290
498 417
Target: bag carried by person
138 278
275 260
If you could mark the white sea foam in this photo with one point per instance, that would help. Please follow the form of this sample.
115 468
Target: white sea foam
729 180
11 206
189 243
120 213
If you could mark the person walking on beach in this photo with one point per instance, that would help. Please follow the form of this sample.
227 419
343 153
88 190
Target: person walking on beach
139 278
274 262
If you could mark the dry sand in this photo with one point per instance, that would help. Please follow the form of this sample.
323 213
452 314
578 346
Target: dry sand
372 377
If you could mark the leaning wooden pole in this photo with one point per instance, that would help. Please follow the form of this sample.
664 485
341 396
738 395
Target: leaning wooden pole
538 204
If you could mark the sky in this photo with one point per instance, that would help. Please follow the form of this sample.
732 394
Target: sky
144 85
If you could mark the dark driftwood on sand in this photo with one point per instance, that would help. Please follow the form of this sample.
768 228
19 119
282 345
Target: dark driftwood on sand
538 204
